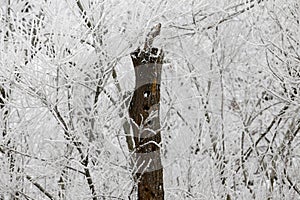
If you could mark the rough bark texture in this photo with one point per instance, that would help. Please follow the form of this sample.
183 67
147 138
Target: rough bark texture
144 113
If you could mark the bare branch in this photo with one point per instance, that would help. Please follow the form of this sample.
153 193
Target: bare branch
84 15
43 190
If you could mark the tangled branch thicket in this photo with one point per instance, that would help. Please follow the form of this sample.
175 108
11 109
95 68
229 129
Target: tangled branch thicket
229 104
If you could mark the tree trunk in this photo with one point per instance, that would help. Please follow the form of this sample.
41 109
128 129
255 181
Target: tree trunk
144 113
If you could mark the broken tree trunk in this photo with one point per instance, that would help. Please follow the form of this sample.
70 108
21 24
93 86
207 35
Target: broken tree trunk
144 113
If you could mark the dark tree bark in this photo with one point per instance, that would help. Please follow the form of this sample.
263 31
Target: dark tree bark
144 113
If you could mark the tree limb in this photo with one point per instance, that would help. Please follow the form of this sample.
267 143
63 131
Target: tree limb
84 15
43 190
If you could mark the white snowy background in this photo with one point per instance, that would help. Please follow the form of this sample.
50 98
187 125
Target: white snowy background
229 97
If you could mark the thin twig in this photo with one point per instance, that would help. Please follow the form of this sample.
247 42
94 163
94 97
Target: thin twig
3 149
84 14
43 190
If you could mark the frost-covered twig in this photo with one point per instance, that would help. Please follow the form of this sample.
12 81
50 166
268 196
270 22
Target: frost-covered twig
3 149
263 135
68 136
42 189
84 14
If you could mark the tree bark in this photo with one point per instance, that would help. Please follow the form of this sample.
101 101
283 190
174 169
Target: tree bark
144 113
